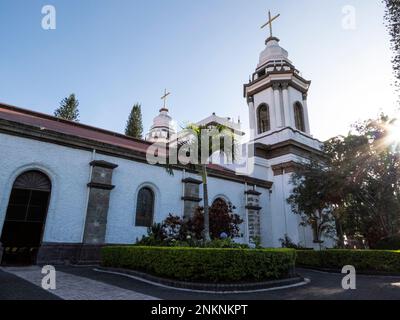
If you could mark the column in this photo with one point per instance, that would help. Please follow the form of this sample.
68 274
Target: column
305 110
277 106
272 114
252 118
286 106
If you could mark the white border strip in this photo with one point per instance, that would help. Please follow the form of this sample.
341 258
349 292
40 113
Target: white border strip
305 282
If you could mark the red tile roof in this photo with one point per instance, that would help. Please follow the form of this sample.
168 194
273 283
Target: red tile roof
47 122
51 123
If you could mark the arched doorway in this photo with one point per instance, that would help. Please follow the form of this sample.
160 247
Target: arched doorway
25 218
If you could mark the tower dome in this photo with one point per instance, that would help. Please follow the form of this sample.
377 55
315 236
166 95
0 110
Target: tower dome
273 52
163 125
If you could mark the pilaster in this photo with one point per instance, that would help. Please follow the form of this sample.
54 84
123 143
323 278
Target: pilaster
99 201
305 112
191 196
277 105
286 103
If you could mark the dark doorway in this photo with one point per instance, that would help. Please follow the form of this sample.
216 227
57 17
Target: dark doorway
25 218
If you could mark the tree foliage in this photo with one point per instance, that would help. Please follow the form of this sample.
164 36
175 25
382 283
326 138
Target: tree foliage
177 231
392 17
312 198
68 109
196 145
222 221
134 125
358 184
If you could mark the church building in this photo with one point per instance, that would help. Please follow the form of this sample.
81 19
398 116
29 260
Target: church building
67 189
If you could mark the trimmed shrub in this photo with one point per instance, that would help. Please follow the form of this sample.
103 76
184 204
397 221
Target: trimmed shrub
203 264
362 260
390 243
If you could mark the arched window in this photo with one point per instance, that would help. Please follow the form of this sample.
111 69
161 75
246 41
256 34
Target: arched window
264 123
145 208
299 117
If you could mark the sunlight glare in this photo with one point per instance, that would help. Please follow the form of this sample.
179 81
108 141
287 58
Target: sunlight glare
394 132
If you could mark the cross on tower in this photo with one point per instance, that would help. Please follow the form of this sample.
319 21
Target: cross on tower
269 22
164 97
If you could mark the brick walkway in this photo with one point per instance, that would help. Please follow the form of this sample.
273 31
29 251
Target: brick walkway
72 287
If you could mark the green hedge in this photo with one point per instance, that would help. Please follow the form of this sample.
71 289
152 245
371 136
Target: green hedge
362 260
203 264
391 243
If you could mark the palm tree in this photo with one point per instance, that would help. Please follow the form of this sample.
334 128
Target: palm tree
204 137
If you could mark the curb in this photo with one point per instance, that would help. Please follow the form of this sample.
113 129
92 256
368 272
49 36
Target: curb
207 287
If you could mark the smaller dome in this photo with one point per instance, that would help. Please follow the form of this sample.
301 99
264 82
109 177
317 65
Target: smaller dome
163 127
162 120
273 52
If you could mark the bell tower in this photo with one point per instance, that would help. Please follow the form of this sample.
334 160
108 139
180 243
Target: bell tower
280 137
277 94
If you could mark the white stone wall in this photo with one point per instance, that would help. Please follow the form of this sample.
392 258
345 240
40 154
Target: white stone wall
69 172
128 179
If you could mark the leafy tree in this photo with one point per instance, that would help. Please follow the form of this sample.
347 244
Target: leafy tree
134 126
392 18
358 184
68 109
312 198
369 159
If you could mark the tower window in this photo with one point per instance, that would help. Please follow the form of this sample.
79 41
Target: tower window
261 73
264 123
299 117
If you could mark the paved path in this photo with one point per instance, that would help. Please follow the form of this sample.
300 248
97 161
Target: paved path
15 288
85 283
74 287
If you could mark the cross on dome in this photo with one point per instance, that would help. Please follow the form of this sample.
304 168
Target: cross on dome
269 22
165 97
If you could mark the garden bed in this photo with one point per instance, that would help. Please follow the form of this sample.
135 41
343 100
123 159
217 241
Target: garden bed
204 265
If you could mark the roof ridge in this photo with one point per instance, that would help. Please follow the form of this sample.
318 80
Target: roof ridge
72 123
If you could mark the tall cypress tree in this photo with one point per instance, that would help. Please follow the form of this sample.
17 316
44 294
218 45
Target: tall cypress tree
68 109
134 126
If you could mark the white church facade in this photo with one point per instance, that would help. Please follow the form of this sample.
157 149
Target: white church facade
67 189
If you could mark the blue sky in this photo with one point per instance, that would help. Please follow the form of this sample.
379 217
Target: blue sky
113 53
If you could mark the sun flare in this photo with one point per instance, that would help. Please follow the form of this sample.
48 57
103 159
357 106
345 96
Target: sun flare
394 132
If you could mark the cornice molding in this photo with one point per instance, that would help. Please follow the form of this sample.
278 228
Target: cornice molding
101 186
103 164
192 199
253 192
192 180
286 167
